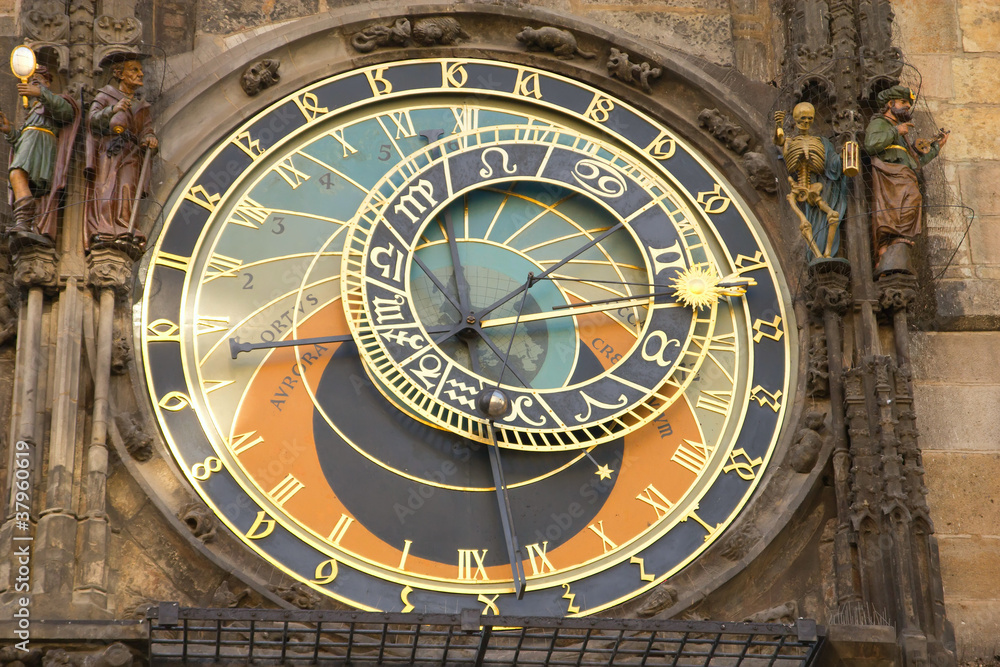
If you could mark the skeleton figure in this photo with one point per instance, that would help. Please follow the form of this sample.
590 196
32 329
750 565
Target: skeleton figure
817 181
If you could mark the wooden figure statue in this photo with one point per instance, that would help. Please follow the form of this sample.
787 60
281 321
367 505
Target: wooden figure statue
819 186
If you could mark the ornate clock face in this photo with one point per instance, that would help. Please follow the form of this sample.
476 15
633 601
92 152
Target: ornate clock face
418 233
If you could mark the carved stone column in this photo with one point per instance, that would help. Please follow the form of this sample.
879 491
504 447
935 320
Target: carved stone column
830 299
109 275
933 636
35 272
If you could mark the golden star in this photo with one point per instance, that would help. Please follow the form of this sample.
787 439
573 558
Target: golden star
604 472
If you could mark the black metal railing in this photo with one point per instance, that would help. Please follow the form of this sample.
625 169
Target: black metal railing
192 636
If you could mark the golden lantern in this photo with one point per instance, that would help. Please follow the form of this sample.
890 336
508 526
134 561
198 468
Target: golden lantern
23 63
852 158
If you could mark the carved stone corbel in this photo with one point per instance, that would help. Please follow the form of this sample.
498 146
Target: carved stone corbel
109 268
732 135
260 76
111 33
36 266
620 67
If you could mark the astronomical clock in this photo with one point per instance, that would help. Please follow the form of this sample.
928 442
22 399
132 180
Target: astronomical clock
453 333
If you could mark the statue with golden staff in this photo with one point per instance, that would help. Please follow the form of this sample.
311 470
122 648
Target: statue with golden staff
41 148
817 178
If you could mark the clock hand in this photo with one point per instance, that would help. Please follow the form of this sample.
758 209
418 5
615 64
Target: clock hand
531 281
236 346
464 301
506 517
580 309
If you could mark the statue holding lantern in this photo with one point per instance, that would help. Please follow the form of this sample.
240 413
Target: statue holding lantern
120 142
818 178
40 152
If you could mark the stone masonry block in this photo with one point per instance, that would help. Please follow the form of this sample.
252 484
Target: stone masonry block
976 80
978 20
966 562
927 26
703 34
973 134
962 417
955 358
964 497
977 626
933 74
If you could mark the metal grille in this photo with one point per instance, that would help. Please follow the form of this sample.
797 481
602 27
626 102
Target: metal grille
267 637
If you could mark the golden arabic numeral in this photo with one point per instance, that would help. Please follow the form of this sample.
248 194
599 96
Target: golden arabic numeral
641 562
746 468
528 85
490 604
453 74
470 564
261 528
714 201
662 147
764 397
404 597
308 104
570 608
600 109
174 401
326 572
162 330
202 471
249 145
200 196
379 84
775 324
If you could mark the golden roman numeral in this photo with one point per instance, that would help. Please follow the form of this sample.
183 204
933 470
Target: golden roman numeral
715 401
338 134
538 550
469 559
215 385
207 324
403 123
692 455
221 266
466 118
285 489
606 542
693 515
249 213
173 261
242 442
661 505
406 552
337 534
286 169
